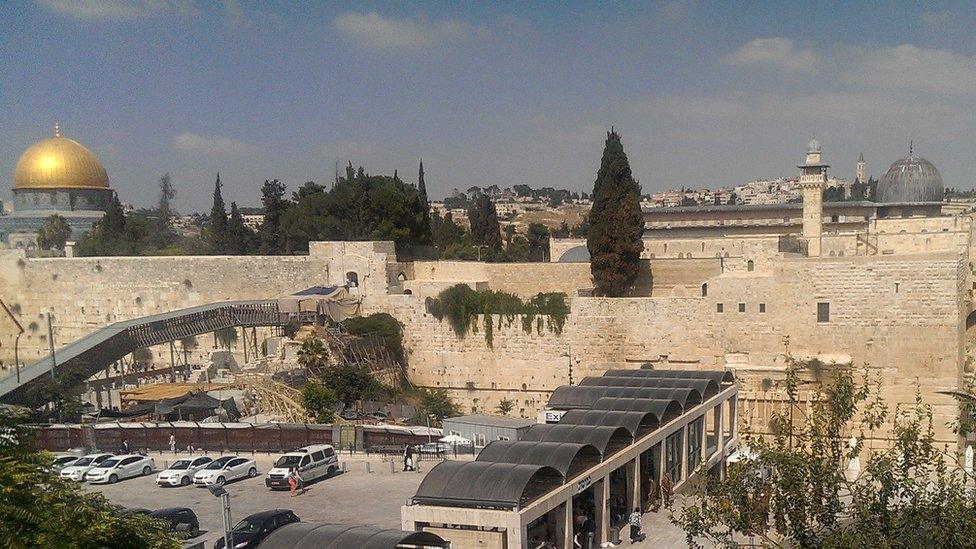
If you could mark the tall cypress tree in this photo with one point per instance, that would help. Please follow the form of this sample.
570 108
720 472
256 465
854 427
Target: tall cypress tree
218 220
424 231
275 205
485 229
616 224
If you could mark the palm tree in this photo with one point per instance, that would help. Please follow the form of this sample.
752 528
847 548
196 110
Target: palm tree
312 354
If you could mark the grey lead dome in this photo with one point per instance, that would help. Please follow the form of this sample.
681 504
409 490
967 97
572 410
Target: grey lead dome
911 179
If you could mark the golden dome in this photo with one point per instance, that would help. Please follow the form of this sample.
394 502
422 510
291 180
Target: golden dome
57 163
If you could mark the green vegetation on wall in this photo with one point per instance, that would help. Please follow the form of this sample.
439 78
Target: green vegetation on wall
461 306
383 325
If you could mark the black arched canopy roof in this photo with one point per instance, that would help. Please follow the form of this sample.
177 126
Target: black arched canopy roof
310 535
707 387
486 484
718 376
664 409
606 439
569 458
637 423
569 397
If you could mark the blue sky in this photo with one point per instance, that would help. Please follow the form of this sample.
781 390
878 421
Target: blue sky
704 94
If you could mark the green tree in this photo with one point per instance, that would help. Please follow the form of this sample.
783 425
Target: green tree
307 189
162 234
505 406
437 403
240 238
38 509
275 205
797 491
319 401
312 354
446 233
218 221
54 233
485 229
538 236
351 382
616 223
422 207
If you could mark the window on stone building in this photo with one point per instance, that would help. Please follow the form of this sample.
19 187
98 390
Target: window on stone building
762 307
720 307
705 290
742 307
750 266
823 312
352 279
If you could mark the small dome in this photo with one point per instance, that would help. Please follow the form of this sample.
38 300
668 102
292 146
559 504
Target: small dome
58 163
813 146
911 179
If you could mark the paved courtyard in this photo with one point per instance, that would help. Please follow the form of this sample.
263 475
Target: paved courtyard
353 497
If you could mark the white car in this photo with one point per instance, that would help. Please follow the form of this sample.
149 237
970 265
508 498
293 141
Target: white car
225 469
78 469
117 468
181 472
63 460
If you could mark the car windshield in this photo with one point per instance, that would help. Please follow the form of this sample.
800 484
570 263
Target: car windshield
83 461
288 461
109 463
180 465
248 526
216 465
64 459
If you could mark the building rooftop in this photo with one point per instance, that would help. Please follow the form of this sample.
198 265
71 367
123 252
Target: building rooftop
492 421
783 206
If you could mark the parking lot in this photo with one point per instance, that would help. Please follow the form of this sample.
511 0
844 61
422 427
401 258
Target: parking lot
352 497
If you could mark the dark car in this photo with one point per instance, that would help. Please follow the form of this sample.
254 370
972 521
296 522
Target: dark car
182 520
251 531
132 510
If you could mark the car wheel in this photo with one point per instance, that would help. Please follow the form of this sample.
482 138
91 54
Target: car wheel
220 481
332 472
147 470
185 481
112 479
252 472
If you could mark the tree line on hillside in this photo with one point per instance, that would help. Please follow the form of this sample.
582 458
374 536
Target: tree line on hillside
361 206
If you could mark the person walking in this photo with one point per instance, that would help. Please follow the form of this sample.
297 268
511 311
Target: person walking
653 501
172 443
123 447
667 490
409 458
301 482
635 526
406 458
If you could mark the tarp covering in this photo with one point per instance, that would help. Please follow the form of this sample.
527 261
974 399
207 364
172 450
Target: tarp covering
606 439
719 376
486 484
569 397
569 458
310 535
707 387
334 301
665 409
636 422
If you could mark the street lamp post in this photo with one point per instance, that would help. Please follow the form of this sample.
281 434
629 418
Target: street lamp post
20 332
218 491
479 247
428 427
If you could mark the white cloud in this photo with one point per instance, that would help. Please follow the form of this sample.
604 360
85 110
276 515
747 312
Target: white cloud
909 67
114 10
377 31
211 146
775 52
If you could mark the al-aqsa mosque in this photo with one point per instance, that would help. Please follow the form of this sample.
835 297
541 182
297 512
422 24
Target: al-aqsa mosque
59 176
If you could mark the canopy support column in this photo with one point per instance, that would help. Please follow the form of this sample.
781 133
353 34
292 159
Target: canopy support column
633 484
601 499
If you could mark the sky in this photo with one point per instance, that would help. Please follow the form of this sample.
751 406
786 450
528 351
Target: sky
703 94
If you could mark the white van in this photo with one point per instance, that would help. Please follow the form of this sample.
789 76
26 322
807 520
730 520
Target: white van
313 462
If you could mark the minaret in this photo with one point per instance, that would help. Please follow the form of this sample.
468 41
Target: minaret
859 173
813 177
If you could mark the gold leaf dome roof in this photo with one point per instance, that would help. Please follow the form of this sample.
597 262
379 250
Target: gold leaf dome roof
58 163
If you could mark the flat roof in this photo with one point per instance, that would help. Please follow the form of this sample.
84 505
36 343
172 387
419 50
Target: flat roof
492 421
784 206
